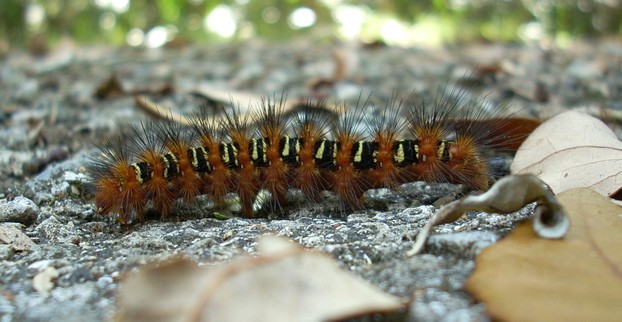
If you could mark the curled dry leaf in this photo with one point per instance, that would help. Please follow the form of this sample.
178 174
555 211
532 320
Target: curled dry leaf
507 195
573 150
578 278
285 283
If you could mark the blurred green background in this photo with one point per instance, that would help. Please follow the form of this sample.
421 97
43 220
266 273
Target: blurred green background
158 23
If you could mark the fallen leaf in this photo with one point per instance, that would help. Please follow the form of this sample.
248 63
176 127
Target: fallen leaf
285 283
509 194
13 236
246 101
109 88
160 112
112 87
572 150
578 278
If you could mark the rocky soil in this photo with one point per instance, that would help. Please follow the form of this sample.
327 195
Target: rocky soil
52 120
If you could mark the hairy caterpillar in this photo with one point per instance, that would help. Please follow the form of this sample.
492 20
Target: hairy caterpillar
410 140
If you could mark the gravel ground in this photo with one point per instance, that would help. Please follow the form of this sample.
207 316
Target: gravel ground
50 119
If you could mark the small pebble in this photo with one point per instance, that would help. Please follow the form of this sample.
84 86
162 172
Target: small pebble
20 209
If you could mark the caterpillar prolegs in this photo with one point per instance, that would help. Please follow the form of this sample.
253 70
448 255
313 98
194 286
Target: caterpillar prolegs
265 150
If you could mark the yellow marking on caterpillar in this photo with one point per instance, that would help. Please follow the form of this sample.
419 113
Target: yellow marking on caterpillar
441 150
138 172
399 156
358 157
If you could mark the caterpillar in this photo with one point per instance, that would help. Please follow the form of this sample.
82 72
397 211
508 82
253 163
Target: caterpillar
151 166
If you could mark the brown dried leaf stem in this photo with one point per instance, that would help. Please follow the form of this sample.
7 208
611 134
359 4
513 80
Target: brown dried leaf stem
508 195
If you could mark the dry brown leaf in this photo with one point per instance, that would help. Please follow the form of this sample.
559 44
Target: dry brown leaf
152 108
112 87
285 283
578 278
13 236
109 88
246 101
573 150
157 111
509 194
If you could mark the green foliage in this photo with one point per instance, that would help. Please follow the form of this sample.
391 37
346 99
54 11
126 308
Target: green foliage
456 21
12 20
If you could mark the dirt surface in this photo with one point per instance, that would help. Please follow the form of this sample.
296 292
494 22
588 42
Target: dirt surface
52 119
